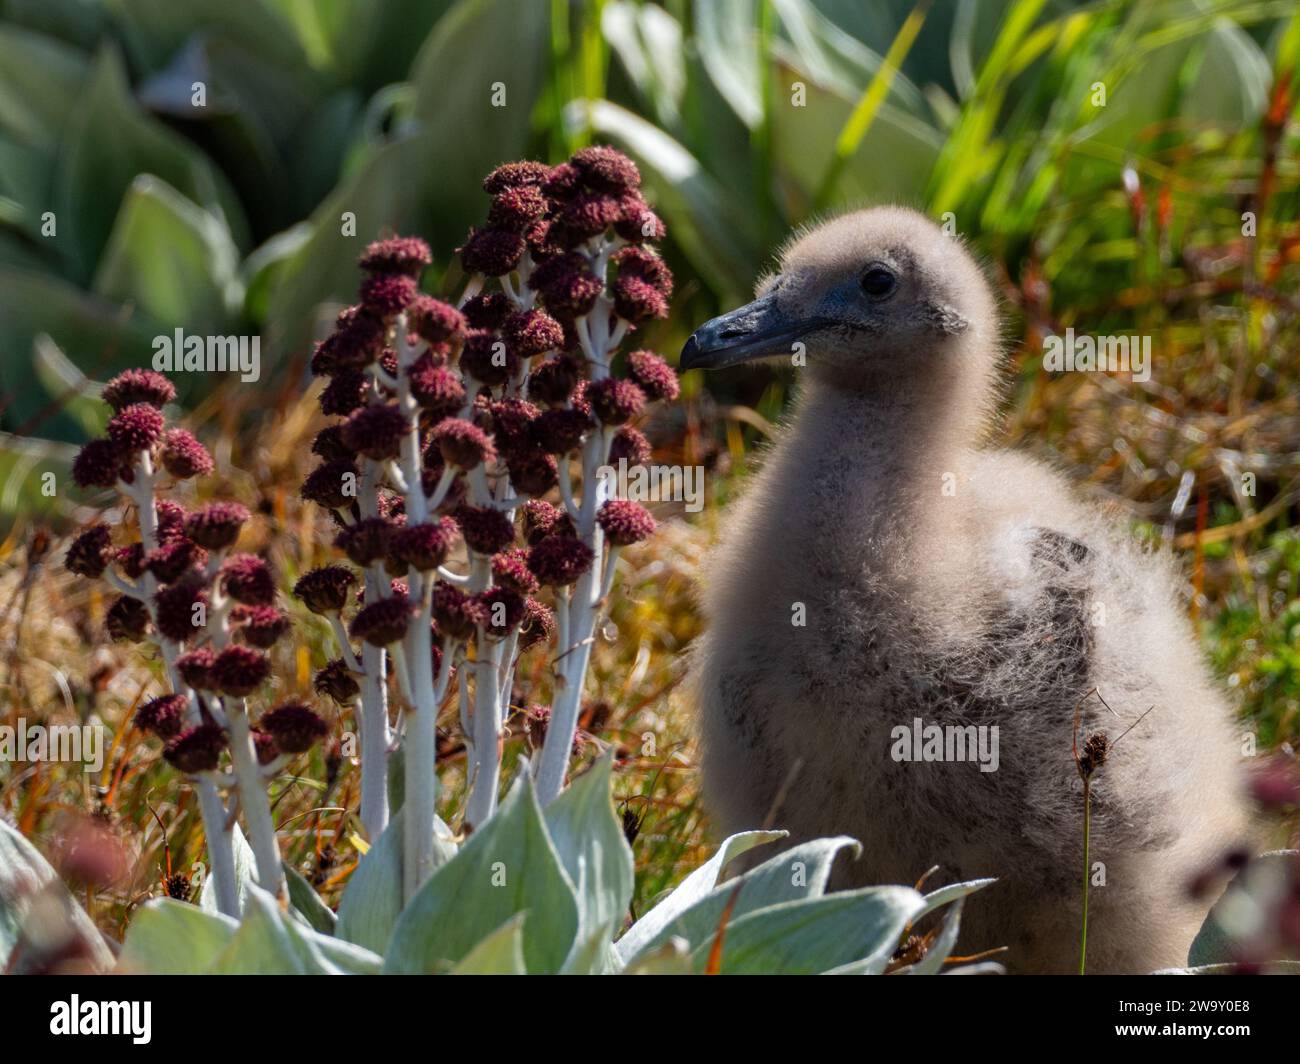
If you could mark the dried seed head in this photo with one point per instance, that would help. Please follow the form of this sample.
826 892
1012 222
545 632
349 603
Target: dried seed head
331 484
533 472
485 529
559 431
90 552
195 667
458 615
376 431
487 310
366 542
553 381
516 175
387 294
239 670
463 444
566 285
531 332
325 590
602 167
629 445
503 610
382 622
538 625
197 750
615 401
348 390
337 681
174 559
435 321
488 358
127 620
295 727
174 606
516 208
541 519
260 626
510 569
424 546
163 717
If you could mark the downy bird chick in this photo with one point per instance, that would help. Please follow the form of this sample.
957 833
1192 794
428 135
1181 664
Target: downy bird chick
886 570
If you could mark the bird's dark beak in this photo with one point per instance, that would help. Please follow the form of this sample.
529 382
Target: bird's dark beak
756 330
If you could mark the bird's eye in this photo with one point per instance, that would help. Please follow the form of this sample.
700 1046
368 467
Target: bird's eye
878 282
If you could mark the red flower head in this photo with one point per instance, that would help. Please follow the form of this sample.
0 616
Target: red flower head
606 169
586 215
510 569
492 252
541 519
173 560
516 208
463 444
615 401
488 358
136 428
376 431
195 667
260 626
637 222
134 386
356 341
559 561
435 321
382 622
424 546
174 607
566 284
247 579
386 294
127 620
197 750
348 390
503 610
216 526
163 717
294 726
98 464
90 552
488 310
485 529
240 670
654 376
553 381
511 419
516 175
532 332
630 445
533 472
171 520
458 615
559 431
400 254
325 590
625 522
183 456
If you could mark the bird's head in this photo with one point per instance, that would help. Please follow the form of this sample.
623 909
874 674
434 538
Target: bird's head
879 295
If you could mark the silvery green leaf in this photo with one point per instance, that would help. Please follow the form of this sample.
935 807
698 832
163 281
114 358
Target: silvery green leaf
937 899
269 943
169 937
35 907
690 890
817 934
593 953
798 873
508 866
307 903
372 900
501 953
672 958
245 867
1271 968
590 842
725 36
978 968
1244 909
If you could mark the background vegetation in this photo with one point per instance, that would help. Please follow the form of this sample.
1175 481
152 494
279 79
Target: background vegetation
747 117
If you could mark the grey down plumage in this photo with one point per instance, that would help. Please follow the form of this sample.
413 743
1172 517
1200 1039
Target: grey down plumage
946 580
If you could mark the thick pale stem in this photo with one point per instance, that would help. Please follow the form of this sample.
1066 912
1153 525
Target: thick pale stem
256 805
487 735
373 710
